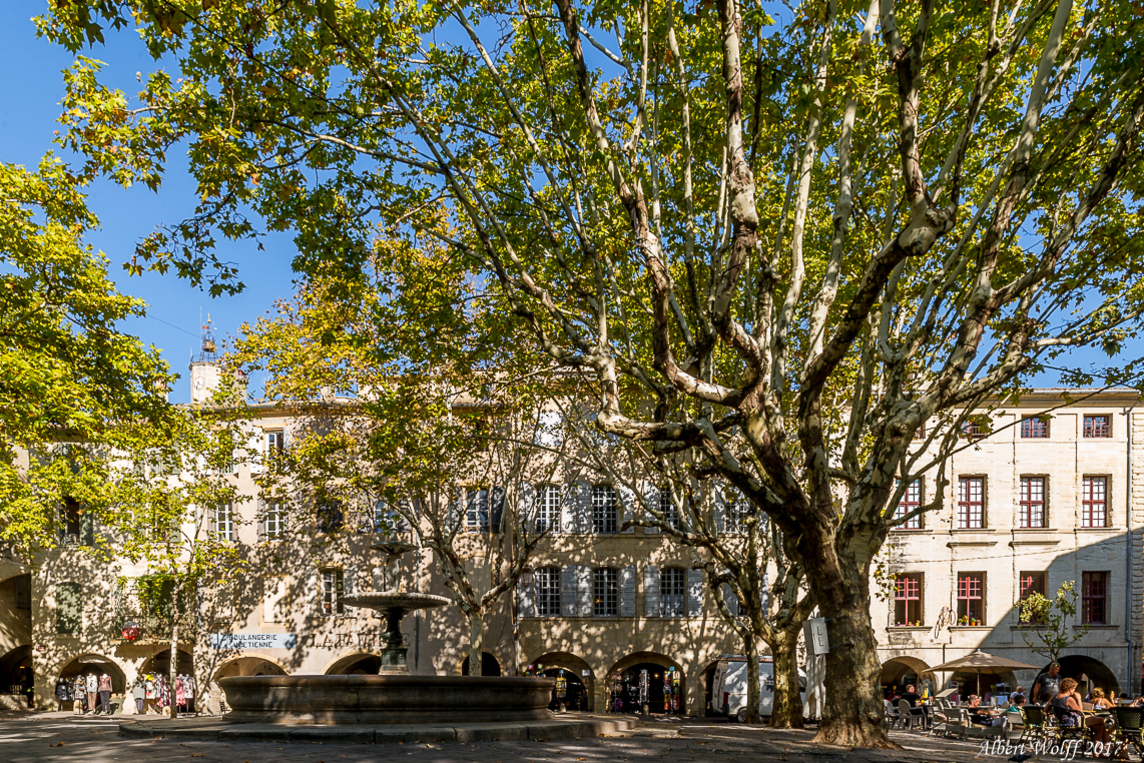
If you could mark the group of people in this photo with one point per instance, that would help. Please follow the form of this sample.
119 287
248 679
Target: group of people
1049 690
152 693
91 691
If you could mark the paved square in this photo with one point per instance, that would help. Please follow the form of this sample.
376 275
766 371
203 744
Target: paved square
55 736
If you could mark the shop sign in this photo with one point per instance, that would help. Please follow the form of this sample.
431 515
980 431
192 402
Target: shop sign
339 640
253 640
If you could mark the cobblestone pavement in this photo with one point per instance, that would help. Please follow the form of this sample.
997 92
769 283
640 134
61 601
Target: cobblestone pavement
60 736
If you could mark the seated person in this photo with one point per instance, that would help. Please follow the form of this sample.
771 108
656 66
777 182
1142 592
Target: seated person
974 700
1099 701
1019 693
911 696
1068 699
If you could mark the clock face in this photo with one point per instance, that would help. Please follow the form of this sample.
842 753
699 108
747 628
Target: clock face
199 383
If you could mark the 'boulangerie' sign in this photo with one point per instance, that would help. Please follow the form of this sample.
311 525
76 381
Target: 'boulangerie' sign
253 640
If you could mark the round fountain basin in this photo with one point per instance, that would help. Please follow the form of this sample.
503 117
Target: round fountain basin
386 699
394 600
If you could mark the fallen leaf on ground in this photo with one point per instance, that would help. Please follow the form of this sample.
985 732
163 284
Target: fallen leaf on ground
196 754
59 744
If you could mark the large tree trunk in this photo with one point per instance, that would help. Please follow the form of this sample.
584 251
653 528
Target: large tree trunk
854 712
753 693
786 712
476 630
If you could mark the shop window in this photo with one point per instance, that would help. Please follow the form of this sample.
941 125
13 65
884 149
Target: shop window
1035 428
908 599
222 523
605 511
548 591
1099 425
1094 502
333 588
1094 598
971 598
971 503
1032 510
69 608
605 592
672 592
911 502
548 508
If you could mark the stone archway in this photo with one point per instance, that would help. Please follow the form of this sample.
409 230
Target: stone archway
355 664
572 664
490 665
96 664
17 674
662 672
897 672
1090 673
249 665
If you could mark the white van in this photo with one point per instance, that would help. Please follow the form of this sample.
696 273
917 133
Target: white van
729 686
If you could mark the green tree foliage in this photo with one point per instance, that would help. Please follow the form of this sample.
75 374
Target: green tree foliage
176 517
1047 620
67 370
795 254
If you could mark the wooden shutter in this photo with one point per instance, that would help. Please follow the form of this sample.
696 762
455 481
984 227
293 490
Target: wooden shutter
627 508
527 598
569 600
584 589
720 508
694 593
583 516
86 527
496 508
628 591
651 500
651 591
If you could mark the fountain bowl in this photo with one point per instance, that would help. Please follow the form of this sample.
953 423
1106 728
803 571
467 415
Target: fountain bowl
386 699
383 600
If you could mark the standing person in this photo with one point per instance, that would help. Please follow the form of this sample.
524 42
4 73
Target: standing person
105 693
140 695
1047 685
91 685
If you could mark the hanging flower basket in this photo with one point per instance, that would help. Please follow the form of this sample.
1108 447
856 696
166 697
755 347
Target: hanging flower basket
130 630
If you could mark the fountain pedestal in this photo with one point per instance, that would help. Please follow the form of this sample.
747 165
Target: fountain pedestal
393 606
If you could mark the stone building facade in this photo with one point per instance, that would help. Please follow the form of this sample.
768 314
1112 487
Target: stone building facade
606 608
1041 493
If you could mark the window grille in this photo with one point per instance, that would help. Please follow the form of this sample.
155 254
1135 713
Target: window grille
672 592
605 516
605 592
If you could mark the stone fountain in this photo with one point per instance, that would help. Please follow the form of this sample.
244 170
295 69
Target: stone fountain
392 696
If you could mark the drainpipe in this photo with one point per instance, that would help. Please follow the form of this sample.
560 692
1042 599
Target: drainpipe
1128 558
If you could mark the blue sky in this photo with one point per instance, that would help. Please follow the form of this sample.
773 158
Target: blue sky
29 105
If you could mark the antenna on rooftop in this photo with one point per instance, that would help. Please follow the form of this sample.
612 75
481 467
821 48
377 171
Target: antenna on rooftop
207 346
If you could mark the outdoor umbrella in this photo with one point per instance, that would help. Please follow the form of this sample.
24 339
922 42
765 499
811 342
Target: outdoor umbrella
982 662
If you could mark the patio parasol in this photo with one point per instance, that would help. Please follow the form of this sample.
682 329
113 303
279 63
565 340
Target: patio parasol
982 662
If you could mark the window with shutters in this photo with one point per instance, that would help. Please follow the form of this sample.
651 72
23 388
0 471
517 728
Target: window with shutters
605 510
738 509
333 588
222 523
1094 502
275 441
1030 583
547 582
77 525
477 509
331 517
1094 598
971 598
908 608
1035 427
548 508
668 508
911 502
976 427
273 521
1032 509
605 592
69 608
1099 425
549 429
971 503
672 592
732 601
